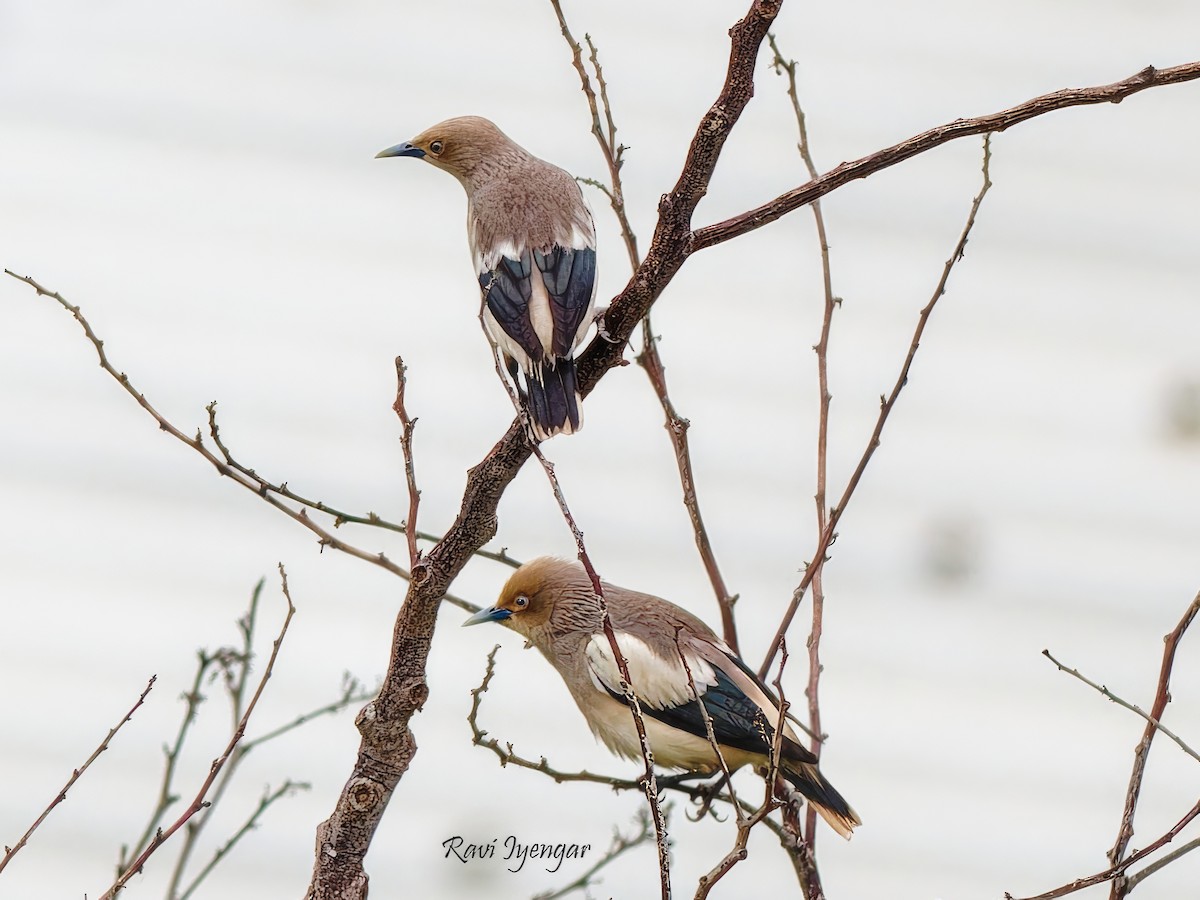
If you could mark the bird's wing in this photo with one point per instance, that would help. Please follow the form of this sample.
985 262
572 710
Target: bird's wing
741 714
507 296
539 301
570 278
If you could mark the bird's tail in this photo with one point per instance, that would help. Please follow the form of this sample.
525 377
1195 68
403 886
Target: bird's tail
552 399
808 780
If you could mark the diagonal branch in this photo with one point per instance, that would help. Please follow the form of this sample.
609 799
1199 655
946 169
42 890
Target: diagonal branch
388 746
200 802
1162 696
1108 874
10 852
886 404
1149 77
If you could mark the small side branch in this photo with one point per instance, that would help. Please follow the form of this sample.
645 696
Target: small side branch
1152 722
1162 696
10 852
620 844
1149 77
828 534
649 782
1120 868
200 802
414 495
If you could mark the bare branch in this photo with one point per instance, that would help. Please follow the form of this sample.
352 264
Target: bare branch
199 802
619 845
649 782
1132 707
1133 880
813 690
414 495
1148 77
10 852
1108 874
649 359
268 799
828 535
1162 696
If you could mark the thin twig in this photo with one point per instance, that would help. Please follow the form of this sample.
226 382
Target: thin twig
1100 877
813 690
799 849
1133 880
352 693
1162 697
828 534
505 752
199 802
649 783
1152 721
10 852
414 495
235 665
677 428
708 726
620 844
192 700
1149 77
269 797
227 467
649 359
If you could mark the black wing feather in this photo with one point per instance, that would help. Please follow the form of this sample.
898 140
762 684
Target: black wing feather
569 276
736 720
506 291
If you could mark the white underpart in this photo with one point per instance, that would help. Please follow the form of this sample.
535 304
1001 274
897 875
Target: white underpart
659 683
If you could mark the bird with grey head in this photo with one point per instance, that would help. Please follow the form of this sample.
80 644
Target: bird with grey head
533 243
681 672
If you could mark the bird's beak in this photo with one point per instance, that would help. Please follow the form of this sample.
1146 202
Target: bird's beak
405 149
491 614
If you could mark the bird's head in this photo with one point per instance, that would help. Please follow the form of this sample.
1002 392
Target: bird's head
459 146
531 594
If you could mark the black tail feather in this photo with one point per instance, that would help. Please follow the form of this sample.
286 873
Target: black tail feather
808 780
553 399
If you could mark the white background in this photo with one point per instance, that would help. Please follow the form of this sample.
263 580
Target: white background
199 177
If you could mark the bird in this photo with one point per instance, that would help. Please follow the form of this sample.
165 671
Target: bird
533 243
551 603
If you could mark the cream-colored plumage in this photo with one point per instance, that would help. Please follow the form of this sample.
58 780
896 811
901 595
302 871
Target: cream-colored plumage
534 248
551 603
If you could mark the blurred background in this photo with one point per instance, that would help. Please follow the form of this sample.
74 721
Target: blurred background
199 178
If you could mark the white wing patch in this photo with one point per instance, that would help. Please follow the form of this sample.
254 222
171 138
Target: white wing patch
659 683
486 262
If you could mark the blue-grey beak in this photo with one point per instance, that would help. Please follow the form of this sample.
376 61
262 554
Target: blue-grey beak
491 614
405 149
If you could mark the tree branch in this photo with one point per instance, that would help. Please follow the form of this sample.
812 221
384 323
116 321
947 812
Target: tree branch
886 404
1148 77
10 852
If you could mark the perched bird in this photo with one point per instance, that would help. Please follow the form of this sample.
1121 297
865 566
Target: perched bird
550 602
534 247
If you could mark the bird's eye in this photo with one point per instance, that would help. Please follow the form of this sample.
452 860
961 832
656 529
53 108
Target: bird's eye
435 147
521 601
